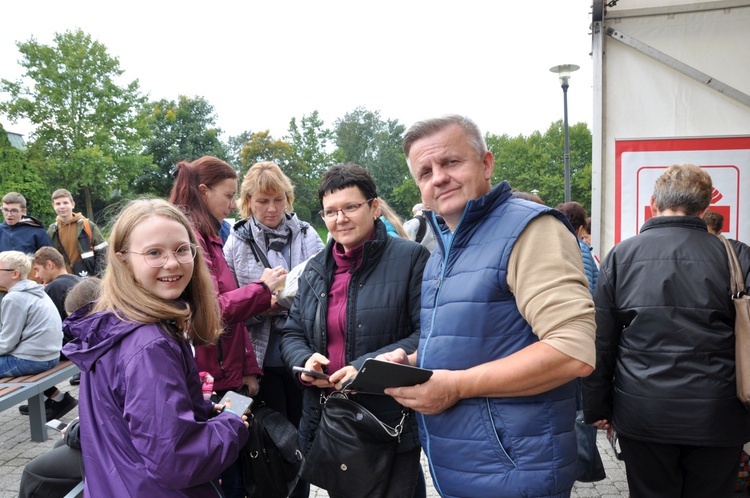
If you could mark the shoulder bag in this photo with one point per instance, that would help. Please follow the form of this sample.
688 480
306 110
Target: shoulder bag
741 326
352 452
271 458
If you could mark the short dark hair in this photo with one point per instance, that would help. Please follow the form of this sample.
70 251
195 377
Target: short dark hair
714 221
49 253
341 176
575 214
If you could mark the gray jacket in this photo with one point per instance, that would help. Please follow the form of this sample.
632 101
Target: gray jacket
247 269
412 228
31 325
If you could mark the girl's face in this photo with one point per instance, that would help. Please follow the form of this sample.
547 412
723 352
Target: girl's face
221 198
268 208
350 229
162 234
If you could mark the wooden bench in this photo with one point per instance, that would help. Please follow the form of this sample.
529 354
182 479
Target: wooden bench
14 390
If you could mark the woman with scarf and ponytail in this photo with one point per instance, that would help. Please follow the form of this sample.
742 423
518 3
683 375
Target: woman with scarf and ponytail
270 235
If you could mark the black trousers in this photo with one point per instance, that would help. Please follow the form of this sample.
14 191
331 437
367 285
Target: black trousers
679 471
52 474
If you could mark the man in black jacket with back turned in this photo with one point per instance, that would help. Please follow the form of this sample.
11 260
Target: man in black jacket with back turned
664 377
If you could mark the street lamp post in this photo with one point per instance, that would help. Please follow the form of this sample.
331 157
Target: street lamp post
564 70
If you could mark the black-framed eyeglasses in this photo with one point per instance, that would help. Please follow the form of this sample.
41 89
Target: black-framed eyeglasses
158 257
329 214
7 269
230 197
13 212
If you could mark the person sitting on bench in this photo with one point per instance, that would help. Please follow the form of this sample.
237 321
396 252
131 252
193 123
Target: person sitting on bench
31 329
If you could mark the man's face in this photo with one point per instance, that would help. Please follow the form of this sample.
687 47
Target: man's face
449 173
12 212
64 208
45 272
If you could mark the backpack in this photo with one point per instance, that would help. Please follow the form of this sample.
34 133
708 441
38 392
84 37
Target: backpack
271 459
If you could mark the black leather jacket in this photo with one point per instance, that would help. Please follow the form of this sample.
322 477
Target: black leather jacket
665 338
383 307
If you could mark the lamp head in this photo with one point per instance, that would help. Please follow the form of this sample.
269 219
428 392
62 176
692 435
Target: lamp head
563 71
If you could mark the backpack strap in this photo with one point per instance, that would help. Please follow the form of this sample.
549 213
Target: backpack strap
87 227
422 230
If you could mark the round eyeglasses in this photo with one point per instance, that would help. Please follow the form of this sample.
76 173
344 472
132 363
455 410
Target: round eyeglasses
158 257
329 214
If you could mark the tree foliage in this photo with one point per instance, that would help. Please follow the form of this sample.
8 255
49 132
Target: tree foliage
180 131
17 176
89 130
362 137
536 163
310 141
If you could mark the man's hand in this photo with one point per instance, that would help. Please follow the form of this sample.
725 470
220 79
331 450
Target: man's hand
396 356
434 396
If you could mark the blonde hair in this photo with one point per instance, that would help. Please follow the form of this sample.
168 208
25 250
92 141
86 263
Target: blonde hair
264 178
16 260
199 318
390 215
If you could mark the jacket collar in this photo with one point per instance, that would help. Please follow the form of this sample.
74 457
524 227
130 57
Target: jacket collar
692 222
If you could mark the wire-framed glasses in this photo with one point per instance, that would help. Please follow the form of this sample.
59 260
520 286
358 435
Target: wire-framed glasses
329 214
157 257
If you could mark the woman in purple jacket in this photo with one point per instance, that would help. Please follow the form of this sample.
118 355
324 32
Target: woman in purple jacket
145 427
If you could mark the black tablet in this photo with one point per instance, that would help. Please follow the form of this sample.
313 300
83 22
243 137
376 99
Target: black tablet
375 376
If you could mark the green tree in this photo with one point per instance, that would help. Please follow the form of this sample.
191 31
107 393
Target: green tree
536 163
235 144
263 147
362 137
310 141
17 176
89 130
180 131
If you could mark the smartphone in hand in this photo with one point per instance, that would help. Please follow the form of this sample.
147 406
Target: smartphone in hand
239 403
311 373
56 425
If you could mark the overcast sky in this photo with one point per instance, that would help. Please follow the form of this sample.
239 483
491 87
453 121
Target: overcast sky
261 63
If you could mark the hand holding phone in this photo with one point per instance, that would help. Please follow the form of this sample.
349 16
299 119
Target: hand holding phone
311 373
56 425
237 403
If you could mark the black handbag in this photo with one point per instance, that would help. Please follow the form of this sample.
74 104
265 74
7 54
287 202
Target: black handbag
271 459
352 452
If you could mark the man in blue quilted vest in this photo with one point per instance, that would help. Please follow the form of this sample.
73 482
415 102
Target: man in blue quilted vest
507 326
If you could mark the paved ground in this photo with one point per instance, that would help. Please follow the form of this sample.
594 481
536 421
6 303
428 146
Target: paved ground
16 449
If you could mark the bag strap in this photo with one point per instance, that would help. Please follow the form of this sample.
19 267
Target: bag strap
259 256
393 431
738 283
87 227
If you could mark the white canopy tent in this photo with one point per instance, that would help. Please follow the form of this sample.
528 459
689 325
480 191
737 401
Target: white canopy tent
671 85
